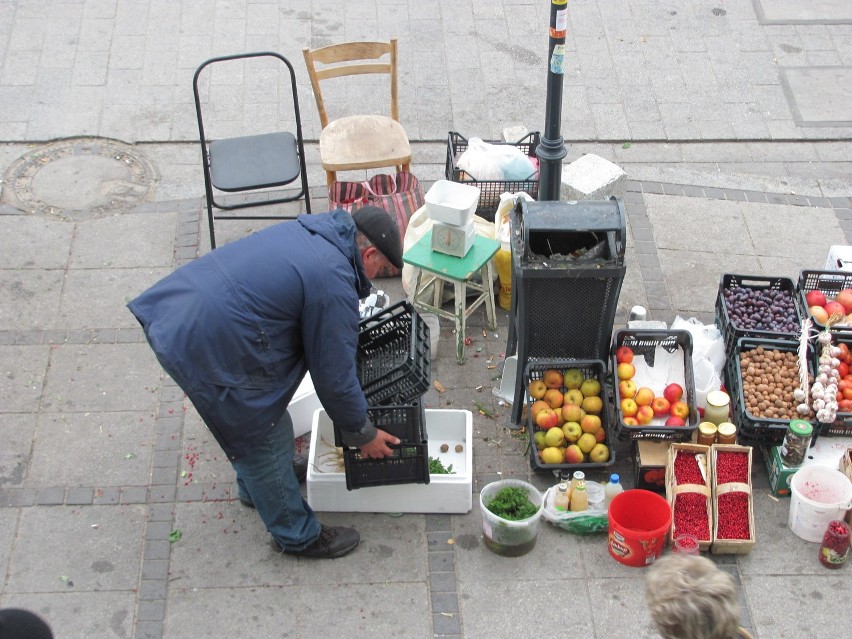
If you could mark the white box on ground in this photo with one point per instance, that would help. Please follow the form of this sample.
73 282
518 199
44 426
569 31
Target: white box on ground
453 240
839 259
302 407
506 392
451 202
443 494
592 177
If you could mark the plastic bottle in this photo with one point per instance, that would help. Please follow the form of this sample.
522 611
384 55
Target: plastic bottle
612 489
503 260
561 500
579 498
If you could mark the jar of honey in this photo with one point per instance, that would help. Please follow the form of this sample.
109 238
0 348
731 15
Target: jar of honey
726 433
707 433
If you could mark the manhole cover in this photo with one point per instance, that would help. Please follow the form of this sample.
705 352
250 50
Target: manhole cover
80 177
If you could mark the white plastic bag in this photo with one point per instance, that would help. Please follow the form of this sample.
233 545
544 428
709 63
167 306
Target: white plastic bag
708 355
484 161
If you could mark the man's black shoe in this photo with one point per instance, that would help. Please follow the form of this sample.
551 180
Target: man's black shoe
333 542
300 465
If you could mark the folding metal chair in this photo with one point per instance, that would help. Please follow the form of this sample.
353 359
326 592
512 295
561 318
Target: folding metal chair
251 162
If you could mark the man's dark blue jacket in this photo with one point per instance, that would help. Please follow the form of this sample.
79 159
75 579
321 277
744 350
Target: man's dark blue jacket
238 328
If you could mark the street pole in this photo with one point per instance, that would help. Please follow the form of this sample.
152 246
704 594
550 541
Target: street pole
551 150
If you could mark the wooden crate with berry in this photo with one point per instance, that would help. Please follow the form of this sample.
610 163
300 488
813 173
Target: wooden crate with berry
688 492
733 508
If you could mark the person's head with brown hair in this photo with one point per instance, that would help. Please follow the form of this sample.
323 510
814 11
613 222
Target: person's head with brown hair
689 597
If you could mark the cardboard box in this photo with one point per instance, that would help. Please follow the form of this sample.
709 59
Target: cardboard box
731 546
779 475
673 490
827 451
649 464
326 480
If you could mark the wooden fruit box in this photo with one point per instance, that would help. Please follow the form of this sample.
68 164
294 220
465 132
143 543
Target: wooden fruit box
673 490
731 546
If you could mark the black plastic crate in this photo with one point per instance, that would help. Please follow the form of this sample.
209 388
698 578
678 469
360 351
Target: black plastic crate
842 424
591 369
407 422
731 330
393 358
755 430
830 283
644 344
409 464
491 190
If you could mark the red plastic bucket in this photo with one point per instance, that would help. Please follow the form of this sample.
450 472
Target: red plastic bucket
638 523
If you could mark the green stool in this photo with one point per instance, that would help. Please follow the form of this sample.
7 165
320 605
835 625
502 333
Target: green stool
433 269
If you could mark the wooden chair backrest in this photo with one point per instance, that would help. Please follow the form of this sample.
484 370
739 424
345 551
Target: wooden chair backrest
351 58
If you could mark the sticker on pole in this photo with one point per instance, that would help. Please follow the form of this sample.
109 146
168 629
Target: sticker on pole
557 59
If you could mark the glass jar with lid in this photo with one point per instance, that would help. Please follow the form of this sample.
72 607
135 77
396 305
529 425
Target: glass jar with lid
706 433
717 407
726 433
796 442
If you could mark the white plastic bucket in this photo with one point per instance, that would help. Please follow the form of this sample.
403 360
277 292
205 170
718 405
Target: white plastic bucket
504 536
819 494
434 324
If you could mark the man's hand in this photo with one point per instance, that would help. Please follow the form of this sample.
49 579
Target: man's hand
378 448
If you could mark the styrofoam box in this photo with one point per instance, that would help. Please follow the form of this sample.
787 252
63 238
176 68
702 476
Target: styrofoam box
451 202
443 494
839 259
302 407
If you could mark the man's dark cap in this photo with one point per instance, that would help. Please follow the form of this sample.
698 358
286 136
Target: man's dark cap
379 228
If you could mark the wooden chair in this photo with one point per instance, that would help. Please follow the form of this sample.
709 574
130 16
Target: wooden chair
357 142
252 163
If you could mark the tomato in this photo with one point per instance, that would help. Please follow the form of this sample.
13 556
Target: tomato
847 378
844 350
847 393
845 405
842 385
843 369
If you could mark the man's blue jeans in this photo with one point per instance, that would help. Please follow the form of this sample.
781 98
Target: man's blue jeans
266 477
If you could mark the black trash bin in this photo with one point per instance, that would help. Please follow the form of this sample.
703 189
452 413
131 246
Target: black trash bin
567 272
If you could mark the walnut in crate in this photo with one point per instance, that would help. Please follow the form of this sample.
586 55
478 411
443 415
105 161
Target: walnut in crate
769 379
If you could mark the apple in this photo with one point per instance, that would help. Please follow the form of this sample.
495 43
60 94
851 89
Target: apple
673 392
674 420
815 298
590 388
629 407
834 308
538 438
553 397
625 370
586 442
572 413
644 396
592 405
573 455
600 436
537 406
573 396
554 437
660 406
623 355
591 424
546 418
630 421
644 415
572 378
627 388
819 314
680 409
536 388
572 431
552 378
599 454
844 298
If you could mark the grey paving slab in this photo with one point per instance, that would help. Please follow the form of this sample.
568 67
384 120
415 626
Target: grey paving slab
627 615
772 226
17 433
92 449
41 242
792 12
30 300
134 243
106 614
820 96
103 377
8 529
106 550
23 379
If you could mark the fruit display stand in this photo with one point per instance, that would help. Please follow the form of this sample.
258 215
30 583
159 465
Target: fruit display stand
830 284
733 508
490 190
659 358
587 444
757 306
688 492
842 424
567 271
763 426
445 493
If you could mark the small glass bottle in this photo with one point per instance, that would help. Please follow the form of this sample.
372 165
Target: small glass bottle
579 498
717 407
706 433
612 489
685 544
835 545
579 475
726 433
560 499
796 442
